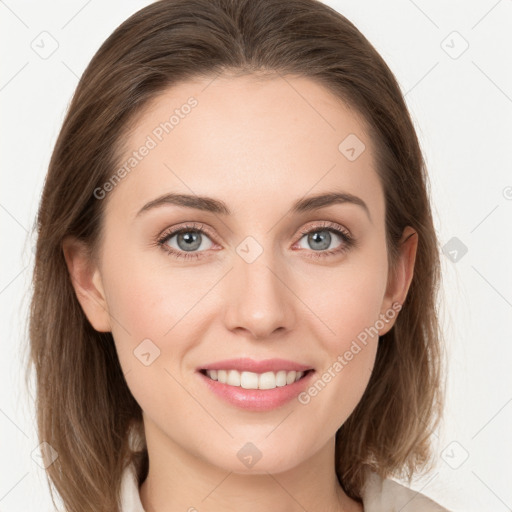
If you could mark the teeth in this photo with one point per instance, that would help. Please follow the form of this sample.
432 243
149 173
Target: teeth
250 380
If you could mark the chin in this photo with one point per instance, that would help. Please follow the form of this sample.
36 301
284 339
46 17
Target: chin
249 460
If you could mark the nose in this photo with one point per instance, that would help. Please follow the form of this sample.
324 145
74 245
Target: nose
259 298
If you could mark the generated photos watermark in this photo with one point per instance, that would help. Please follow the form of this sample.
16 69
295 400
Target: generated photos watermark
343 359
156 136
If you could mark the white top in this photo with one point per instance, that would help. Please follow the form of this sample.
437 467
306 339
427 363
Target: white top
379 495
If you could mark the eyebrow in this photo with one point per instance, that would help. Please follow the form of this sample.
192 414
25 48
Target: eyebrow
209 204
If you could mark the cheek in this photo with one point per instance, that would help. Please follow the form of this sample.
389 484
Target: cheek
143 305
157 311
350 309
145 294
347 300
152 333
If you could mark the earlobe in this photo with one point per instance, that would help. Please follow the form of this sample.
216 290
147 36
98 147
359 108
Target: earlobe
398 286
86 280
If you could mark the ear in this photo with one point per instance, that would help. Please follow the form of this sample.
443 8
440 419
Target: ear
400 280
86 280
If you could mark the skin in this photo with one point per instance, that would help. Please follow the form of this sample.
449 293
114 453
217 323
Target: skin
258 145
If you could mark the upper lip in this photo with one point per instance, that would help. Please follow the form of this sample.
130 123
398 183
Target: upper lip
250 365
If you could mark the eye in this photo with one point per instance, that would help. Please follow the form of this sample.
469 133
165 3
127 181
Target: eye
188 240
320 237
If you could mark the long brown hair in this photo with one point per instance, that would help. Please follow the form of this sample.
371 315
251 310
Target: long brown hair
85 410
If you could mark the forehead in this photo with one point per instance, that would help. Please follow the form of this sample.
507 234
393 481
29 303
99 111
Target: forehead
249 141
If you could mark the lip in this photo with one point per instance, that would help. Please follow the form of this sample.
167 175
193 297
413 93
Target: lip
258 400
244 364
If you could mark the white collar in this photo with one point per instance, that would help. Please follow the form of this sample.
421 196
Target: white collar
378 495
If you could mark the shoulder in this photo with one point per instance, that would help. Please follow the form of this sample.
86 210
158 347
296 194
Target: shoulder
386 495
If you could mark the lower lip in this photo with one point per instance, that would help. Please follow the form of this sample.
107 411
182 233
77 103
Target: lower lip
257 399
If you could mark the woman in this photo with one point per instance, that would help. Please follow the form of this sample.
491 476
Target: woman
194 347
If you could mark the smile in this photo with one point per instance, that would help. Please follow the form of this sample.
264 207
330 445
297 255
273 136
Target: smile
251 380
262 392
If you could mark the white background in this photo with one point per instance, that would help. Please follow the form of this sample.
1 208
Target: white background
462 106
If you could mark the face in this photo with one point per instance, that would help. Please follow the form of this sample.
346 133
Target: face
257 272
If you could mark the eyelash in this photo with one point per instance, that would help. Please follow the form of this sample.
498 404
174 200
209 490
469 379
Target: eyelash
348 240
